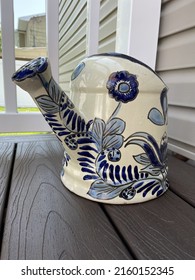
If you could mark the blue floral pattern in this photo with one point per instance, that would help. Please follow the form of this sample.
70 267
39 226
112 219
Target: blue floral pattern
98 143
122 86
113 180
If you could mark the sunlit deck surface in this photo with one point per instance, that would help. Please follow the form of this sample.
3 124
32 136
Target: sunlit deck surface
41 219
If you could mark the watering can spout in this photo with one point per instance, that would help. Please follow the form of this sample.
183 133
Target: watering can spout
35 77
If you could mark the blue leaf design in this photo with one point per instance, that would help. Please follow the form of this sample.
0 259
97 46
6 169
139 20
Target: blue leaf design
149 151
150 169
156 116
82 125
102 164
138 184
117 173
113 141
90 177
57 127
83 159
87 170
88 148
46 103
111 173
88 124
100 190
147 190
160 192
79 124
155 189
101 157
85 164
124 175
129 173
98 131
74 121
104 174
63 106
50 117
64 133
86 154
114 126
164 103
70 117
142 159
149 138
136 173
66 112
147 185
55 123
54 91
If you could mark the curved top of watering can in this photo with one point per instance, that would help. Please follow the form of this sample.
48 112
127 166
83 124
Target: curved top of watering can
94 72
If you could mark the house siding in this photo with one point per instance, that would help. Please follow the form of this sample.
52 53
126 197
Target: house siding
31 31
72 37
176 65
36 32
107 31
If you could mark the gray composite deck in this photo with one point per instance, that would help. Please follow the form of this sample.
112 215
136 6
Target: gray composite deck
41 219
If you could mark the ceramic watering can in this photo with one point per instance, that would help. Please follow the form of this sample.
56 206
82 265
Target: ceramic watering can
112 126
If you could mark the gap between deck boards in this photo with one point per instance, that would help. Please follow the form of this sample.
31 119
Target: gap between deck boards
120 235
6 195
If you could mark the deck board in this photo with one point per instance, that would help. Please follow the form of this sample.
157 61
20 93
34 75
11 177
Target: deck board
6 156
160 229
46 221
182 177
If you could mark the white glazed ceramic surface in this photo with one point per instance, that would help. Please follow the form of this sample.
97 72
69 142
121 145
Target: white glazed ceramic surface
112 125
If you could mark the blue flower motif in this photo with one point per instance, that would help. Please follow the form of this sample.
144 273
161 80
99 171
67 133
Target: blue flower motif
122 86
30 69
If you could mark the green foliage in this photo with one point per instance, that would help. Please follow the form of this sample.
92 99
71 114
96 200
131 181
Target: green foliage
22 109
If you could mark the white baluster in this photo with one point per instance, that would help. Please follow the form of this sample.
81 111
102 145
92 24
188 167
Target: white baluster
137 29
8 55
52 22
93 10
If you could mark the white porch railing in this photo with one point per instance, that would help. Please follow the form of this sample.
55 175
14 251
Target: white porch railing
134 19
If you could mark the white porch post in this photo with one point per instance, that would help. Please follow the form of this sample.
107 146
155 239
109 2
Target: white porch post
8 54
137 29
93 11
52 22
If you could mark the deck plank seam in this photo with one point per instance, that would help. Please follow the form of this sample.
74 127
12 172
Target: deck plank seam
181 197
119 234
9 182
